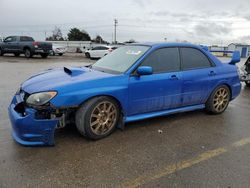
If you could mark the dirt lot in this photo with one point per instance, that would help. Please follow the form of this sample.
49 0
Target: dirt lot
185 150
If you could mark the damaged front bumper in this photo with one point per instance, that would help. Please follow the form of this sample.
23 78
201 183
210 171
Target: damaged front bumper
27 130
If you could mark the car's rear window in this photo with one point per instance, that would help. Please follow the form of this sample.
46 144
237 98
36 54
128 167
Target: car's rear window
30 39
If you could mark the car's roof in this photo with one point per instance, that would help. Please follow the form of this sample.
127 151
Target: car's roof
104 46
166 44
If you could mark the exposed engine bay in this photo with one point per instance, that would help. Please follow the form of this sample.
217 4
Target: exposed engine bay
245 76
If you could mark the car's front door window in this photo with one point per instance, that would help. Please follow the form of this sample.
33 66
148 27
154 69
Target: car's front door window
163 60
9 39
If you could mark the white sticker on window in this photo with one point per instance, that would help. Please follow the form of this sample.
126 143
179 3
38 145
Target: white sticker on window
131 52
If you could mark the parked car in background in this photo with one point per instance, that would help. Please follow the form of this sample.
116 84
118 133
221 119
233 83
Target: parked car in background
58 49
132 83
99 51
25 45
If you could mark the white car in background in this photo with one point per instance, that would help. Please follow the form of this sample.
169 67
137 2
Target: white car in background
99 51
58 49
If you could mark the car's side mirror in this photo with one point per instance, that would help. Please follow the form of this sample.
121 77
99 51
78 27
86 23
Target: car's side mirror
144 70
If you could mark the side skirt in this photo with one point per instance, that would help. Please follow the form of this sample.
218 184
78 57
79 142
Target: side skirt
163 113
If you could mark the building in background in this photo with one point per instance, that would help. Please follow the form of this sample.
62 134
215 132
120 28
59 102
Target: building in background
244 49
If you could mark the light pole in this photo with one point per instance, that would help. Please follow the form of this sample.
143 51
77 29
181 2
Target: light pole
115 25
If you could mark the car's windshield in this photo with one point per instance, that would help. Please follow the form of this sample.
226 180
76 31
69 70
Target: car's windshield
121 59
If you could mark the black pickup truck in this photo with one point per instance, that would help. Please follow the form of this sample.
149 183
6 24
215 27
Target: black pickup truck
25 45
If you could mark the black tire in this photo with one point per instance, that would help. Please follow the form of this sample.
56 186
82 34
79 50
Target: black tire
84 117
87 55
17 54
217 103
28 53
1 52
247 83
60 54
44 55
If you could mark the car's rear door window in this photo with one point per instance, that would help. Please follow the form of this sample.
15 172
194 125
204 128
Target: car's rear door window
193 59
163 60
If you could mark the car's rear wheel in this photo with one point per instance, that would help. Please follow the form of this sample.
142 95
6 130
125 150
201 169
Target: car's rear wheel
60 54
87 55
44 55
218 100
27 53
247 83
1 52
97 118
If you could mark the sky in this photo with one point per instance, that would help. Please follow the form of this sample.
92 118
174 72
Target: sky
211 22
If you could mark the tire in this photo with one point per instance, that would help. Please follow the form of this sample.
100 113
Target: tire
28 53
1 52
87 55
247 83
44 55
218 101
17 54
94 121
60 54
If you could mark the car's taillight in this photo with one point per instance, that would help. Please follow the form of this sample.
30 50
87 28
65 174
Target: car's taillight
35 43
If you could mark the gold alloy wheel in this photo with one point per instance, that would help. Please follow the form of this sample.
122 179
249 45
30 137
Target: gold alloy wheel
103 118
221 99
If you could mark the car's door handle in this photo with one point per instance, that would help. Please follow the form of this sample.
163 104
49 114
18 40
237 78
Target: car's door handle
211 73
174 77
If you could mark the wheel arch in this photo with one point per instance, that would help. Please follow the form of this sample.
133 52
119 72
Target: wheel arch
105 95
218 85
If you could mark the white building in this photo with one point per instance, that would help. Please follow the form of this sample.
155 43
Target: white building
244 49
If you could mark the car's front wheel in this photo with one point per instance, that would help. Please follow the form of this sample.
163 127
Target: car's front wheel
218 100
44 55
97 118
247 83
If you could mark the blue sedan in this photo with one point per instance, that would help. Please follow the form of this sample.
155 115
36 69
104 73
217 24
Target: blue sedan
134 82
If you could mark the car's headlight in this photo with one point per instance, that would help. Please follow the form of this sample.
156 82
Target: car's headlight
42 98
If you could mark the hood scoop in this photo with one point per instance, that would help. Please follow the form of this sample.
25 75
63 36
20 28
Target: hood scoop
73 71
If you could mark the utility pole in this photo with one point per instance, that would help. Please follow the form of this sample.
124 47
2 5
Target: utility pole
115 25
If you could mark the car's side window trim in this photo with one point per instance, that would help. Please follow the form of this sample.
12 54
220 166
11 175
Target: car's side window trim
208 58
134 73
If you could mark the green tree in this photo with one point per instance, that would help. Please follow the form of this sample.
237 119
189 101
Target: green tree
76 35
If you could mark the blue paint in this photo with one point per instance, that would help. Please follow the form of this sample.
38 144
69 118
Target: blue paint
140 96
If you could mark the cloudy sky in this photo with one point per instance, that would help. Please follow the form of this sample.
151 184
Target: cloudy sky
197 21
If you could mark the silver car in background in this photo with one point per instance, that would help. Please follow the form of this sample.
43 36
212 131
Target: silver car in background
58 49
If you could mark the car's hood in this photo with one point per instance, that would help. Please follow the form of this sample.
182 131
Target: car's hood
53 79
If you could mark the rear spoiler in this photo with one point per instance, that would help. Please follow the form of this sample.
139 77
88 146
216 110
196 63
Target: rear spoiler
235 57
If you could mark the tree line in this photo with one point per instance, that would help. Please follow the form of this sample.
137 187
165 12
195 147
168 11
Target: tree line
74 34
